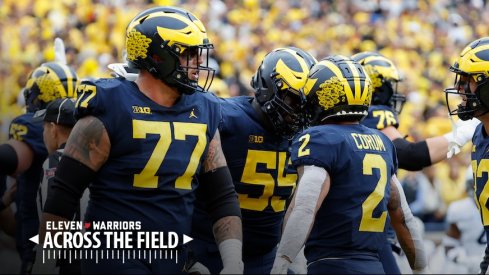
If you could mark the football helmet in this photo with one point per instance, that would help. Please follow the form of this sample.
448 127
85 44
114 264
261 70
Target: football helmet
157 38
337 89
278 83
385 77
48 82
473 63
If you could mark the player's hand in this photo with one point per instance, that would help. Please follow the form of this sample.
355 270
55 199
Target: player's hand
462 132
236 268
280 265
198 268
231 256
299 264
425 270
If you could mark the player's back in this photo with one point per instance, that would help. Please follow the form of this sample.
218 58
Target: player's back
380 117
155 153
360 161
25 130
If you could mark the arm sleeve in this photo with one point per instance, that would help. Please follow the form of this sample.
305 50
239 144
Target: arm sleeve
217 188
70 181
8 159
302 217
420 261
412 156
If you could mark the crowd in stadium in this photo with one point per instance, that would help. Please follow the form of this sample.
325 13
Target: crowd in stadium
421 37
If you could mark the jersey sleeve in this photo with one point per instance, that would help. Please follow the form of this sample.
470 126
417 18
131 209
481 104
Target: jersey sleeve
23 129
224 122
308 149
99 99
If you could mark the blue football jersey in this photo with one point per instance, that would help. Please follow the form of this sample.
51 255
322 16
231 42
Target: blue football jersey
23 129
156 154
380 117
360 162
480 168
263 177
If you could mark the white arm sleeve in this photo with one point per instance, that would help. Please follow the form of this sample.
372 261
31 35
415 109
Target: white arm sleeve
301 219
231 256
420 261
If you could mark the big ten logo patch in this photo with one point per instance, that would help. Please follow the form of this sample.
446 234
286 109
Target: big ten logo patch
255 139
141 110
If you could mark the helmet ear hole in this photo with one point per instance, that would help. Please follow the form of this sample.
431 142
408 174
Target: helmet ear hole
483 93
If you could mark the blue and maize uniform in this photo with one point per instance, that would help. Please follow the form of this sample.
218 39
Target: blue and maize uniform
480 168
156 153
350 223
25 130
380 117
264 179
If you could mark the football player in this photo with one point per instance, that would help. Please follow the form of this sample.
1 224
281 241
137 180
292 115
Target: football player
58 121
255 135
145 146
383 114
465 238
23 154
470 95
347 181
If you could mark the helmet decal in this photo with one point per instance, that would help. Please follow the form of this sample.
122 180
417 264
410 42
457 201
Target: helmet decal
137 45
337 87
330 93
48 82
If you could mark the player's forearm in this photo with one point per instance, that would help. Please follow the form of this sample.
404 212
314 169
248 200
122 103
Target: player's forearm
228 234
406 227
438 147
47 217
227 228
311 191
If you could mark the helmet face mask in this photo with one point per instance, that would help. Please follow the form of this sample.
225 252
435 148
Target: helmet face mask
172 45
385 79
278 83
337 89
471 86
48 82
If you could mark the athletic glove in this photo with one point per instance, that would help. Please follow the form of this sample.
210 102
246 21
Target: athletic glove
462 132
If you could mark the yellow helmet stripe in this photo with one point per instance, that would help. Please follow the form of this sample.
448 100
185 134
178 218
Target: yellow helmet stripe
294 79
183 36
309 85
55 78
360 95
69 81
